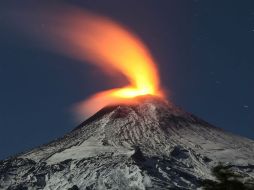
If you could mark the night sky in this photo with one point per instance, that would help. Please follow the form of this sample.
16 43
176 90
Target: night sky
204 50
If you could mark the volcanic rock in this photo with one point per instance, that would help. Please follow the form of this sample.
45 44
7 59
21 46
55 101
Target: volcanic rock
150 144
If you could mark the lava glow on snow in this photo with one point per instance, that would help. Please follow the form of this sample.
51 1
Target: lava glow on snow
107 44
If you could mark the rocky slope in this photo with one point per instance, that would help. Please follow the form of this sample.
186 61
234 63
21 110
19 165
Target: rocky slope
148 145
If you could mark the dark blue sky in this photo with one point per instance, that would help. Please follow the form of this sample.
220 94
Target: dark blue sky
205 52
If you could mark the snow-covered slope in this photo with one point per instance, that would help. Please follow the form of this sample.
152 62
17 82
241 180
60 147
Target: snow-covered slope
148 145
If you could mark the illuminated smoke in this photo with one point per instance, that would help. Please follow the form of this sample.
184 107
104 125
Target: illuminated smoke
105 43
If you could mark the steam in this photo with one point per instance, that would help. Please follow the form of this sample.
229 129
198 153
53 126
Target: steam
100 41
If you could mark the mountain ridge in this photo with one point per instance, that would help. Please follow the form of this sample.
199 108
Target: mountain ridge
150 144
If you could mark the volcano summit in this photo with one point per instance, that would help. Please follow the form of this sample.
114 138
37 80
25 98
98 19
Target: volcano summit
150 144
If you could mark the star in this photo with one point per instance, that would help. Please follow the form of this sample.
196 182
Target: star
245 106
217 82
42 25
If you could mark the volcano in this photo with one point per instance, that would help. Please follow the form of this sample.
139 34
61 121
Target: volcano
150 144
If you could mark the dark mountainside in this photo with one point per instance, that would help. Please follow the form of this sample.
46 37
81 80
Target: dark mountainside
148 145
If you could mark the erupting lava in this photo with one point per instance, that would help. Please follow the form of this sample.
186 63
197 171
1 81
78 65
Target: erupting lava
109 45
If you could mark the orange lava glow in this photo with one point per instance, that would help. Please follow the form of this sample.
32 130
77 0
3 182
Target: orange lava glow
107 44
110 45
